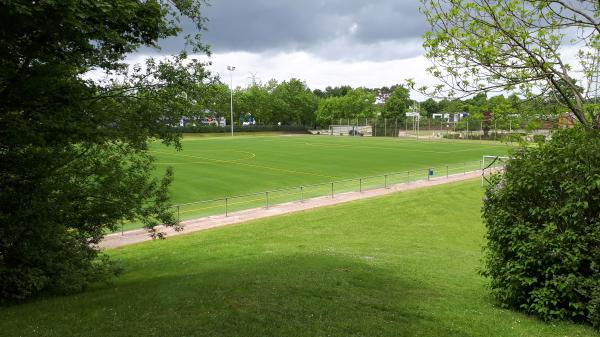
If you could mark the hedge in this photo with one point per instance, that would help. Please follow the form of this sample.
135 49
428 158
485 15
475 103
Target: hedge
543 229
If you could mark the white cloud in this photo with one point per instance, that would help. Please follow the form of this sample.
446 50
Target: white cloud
319 73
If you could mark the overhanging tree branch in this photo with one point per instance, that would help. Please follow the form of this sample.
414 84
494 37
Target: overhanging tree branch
512 45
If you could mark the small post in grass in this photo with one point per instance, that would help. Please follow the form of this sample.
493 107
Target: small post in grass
385 181
408 175
178 213
446 171
267 199
301 193
332 190
226 202
360 185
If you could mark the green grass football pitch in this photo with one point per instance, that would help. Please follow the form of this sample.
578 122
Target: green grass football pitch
400 265
213 168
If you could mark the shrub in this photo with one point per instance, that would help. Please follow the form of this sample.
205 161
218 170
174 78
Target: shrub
539 138
543 229
512 137
61 264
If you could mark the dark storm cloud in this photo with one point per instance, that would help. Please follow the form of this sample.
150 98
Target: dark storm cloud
363 29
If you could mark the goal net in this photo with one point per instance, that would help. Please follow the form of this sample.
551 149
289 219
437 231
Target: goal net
491 165
350 130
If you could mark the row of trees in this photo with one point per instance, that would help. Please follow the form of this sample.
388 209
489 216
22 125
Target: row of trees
292 102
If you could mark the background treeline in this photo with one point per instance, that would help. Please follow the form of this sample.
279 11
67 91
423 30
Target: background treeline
293 103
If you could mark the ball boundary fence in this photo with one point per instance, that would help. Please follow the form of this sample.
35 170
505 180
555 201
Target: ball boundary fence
229 204
266 199
507 130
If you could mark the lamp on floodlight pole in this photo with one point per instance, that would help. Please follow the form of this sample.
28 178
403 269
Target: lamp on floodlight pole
231 69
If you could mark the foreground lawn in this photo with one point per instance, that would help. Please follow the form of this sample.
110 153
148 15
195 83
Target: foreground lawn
401 265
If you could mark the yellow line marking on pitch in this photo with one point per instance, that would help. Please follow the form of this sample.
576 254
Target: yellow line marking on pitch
237 162
251 155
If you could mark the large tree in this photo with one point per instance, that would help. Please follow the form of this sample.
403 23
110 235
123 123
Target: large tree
430 106
255 100
73 152
217 100
516 45
293 103
397 103
356 103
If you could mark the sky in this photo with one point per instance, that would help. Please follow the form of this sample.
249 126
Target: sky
361 43
369 43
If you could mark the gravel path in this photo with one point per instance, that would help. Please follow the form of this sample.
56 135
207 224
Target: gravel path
140 235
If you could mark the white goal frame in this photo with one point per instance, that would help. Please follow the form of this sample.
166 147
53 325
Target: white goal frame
490 165
344 130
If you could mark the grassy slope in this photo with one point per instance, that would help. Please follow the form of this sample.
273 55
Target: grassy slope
209 168
401 265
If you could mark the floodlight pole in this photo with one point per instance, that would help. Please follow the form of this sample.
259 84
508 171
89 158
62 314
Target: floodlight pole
231 69
418 124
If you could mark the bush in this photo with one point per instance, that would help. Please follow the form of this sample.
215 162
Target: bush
539 138
543 229
478 136
49 226
53 264
513 137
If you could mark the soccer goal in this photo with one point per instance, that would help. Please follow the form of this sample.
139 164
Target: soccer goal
350 130
491 165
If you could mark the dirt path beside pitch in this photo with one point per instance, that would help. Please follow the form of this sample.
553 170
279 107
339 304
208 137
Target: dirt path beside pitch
140 235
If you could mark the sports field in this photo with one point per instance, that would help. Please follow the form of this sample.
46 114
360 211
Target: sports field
209 168
212 168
